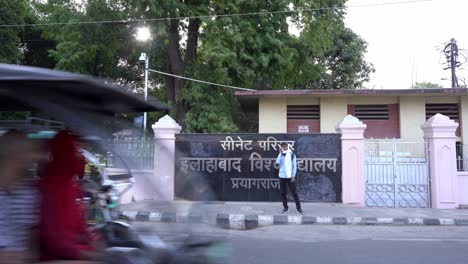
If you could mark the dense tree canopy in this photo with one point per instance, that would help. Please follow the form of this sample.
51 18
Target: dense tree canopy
254 50
11 12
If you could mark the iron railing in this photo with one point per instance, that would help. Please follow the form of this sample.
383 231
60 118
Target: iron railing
32 123
462 161
131 152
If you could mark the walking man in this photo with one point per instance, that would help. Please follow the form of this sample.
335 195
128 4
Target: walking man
287 174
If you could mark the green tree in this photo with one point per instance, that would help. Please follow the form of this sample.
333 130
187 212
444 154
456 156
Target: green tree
35 47
12 12
316 37
101 50
175 45
20 44
345 66
258 52
252 51
427 85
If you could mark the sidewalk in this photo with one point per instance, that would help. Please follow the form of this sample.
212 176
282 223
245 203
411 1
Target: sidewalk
248 215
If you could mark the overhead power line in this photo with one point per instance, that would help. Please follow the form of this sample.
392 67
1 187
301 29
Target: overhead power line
209 16
200 81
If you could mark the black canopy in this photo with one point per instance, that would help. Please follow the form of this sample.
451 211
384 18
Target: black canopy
27 88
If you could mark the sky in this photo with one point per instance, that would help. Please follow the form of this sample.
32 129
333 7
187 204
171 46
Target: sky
403 39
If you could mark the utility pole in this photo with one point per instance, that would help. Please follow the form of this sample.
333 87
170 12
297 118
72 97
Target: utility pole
453 47
451 54
144 60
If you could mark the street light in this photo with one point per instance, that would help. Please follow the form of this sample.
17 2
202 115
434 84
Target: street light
144 60
143 34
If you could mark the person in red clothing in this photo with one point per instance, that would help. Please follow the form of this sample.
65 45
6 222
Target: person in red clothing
62 228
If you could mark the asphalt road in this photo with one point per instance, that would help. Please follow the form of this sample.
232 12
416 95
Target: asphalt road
359 251
332 244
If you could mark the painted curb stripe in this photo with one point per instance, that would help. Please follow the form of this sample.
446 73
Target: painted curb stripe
247 222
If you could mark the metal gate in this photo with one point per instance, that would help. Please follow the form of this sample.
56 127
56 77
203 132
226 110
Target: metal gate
397 174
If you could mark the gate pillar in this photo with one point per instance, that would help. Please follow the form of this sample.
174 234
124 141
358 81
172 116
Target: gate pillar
164 158
352 154
439 132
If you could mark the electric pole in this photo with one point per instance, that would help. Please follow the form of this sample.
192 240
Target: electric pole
453 63
452 54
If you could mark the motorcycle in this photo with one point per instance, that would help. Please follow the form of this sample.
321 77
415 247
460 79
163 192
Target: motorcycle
123 241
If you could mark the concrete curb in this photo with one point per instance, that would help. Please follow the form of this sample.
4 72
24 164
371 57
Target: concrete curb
252 221
162 217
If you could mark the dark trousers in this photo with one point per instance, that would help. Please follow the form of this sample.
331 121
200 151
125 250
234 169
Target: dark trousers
284 193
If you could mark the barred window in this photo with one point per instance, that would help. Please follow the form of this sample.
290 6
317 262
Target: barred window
450 110
371 112
309 112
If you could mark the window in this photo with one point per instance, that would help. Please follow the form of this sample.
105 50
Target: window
303 112
383 121
450 110
371 112
303 118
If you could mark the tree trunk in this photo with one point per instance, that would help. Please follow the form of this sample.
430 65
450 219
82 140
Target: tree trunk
179 66
170 89
192 42
96 61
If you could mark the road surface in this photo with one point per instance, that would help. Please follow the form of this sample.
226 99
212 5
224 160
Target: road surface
330 244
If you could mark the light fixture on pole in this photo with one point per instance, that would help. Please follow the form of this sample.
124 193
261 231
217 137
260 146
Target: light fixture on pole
143 34
144 60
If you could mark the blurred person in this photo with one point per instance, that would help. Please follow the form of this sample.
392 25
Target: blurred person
19 199
63 230
80 158
287 174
